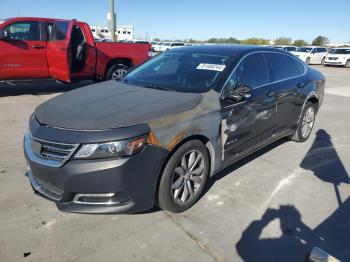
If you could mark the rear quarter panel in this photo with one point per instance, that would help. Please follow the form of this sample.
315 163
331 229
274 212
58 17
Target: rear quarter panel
137 53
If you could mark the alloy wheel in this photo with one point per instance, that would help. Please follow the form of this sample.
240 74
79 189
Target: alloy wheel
118 74
188 176
307 122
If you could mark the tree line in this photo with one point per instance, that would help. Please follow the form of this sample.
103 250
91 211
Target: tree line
318 41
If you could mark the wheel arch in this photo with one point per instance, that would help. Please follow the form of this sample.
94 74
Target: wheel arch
207 143
117 61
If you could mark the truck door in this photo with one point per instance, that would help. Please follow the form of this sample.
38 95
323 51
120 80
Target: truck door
59 51
23 51
83 61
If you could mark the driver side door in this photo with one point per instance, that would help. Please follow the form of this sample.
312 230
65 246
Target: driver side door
248 123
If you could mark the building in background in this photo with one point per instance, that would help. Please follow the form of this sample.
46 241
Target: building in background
123 32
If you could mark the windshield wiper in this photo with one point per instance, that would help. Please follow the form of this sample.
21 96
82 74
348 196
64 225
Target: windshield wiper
156 87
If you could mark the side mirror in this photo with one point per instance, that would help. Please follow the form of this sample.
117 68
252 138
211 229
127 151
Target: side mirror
4 34
240 92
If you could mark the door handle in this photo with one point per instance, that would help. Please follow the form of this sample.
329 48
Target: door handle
38 47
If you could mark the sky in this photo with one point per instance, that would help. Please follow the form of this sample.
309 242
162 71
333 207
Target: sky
202 19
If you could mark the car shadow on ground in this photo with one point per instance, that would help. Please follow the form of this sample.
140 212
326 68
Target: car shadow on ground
38 88
297 239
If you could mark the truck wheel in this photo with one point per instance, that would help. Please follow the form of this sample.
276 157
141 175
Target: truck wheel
184 177
116 72
306 123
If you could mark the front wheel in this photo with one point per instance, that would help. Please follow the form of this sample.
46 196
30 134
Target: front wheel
347 64
322 61
184 177
306 123
116 72
307 60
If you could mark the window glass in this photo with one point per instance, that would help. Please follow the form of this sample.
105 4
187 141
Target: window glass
304 49
25 31
284 66
251 72
179 71
340 51
59 31
291 48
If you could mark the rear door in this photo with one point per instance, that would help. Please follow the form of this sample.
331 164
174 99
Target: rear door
59 51
287 81
23 53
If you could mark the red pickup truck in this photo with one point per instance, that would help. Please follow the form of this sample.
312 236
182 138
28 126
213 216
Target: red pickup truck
65 50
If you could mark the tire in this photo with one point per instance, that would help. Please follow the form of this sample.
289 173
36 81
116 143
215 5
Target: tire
116 72
174 184
322 61
347 64
307 61
301 134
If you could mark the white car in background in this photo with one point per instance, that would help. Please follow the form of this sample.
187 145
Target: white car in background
157 47
288 48
338 56
312 54
171 45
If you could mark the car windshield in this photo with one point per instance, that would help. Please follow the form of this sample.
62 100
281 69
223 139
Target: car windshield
179 71
304 49
278 47
340 51
166 44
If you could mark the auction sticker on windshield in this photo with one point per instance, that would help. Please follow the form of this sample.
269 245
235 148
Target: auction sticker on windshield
214 67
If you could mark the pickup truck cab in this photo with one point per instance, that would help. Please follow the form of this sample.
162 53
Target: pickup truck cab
65 50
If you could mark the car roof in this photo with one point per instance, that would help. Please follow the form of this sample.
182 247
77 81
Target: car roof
343 47
229 50
43 19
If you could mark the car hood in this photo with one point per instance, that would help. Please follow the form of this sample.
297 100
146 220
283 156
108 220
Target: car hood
111 105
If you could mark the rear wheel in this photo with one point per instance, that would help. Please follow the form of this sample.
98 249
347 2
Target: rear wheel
306 123
116 72
184 177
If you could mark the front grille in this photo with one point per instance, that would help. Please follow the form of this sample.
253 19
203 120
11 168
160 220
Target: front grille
55 151
332 58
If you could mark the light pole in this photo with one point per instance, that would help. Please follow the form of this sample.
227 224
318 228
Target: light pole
111 20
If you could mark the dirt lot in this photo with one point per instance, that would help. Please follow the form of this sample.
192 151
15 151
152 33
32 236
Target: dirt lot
275 205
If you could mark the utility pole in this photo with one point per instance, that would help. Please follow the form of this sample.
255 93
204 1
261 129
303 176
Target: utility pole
111 20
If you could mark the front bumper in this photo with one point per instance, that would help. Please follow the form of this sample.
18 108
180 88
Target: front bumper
334 62
129 184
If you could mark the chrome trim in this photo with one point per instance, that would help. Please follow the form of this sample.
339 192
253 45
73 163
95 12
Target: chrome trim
77 196
42 190
44 161
257 52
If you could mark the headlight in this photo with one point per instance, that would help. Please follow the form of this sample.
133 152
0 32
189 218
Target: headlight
111 149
